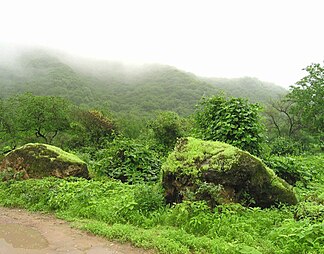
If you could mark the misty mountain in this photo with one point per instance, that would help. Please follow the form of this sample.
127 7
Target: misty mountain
247 87
125 88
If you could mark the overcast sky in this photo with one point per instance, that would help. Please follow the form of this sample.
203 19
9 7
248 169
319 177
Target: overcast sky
271 40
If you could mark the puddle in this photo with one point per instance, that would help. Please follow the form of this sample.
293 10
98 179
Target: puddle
19 236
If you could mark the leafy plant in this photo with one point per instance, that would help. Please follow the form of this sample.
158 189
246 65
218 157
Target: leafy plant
307 95
233 120
128 161
167 127
93 127
284 146
287 168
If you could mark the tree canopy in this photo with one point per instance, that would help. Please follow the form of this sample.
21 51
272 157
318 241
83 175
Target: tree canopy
307 95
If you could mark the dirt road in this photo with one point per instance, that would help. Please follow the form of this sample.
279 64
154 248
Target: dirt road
23 232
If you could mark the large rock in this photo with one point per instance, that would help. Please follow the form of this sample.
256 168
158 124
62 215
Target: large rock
220 173
40 160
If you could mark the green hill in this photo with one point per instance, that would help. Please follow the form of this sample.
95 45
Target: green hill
43 74
247 87
125 88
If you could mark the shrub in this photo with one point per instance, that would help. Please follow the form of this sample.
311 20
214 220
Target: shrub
286 168
128 161
306 169
234 121
167 127
284 146
148 197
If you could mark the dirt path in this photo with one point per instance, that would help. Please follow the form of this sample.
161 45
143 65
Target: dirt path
22 232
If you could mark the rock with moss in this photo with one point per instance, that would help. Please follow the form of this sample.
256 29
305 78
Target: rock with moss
36 160
220 173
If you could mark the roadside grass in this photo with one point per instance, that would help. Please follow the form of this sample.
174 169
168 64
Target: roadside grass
137 214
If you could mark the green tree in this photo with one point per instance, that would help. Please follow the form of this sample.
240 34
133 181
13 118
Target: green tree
40 117
281 122
284 128
96 127
307 96
234 121
45 115
10 133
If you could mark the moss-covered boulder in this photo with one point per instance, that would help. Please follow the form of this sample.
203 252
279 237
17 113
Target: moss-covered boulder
41 160
220 173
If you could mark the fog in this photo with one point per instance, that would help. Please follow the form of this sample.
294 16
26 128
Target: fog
272 41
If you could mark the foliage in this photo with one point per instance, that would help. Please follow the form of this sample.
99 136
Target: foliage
233 120
284 146
287 168
136 213
298 117
9 132
302 170
53 120
307 95
281 120
167 127
93 128
131 124
128 161
40 117
46 116
128 89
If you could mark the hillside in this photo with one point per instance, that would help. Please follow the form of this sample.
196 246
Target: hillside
252 88
43 74
125 88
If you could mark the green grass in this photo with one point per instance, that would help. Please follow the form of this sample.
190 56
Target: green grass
137 214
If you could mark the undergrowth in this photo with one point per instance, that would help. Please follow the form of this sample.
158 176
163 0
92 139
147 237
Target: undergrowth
137 214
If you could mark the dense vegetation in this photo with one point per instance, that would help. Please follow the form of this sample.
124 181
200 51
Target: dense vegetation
126 89
124 121
137 213
234 121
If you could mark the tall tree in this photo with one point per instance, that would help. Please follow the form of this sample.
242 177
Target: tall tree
96 126
41 116
280 119
307 95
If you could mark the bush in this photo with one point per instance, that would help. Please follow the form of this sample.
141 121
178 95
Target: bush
287 168
284 146
167 127
234 121
128 161
149 197
310 210
306 169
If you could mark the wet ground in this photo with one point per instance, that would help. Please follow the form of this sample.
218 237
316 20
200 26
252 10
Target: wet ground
22 232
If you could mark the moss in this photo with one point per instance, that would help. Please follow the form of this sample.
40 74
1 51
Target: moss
37 160
241 176
57 153
194 155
